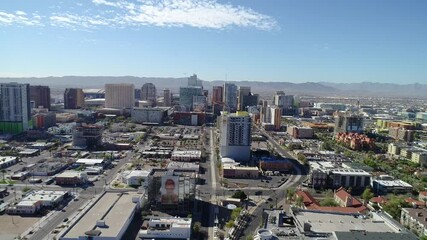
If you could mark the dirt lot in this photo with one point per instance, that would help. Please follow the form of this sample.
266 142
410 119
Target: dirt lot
12 226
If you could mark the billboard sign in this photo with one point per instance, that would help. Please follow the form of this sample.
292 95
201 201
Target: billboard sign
169 190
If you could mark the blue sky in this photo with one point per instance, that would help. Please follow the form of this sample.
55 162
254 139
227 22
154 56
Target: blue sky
278 40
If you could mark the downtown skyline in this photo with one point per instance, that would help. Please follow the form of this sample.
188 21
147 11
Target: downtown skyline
289 41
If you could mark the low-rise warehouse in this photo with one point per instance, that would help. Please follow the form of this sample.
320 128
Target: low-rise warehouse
90 162
71 178
136 177
233 171
386 184
187 156
166 228
7 161
33 201
108 218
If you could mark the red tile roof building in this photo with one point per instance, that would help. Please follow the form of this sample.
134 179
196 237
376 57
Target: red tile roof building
348 204
355 141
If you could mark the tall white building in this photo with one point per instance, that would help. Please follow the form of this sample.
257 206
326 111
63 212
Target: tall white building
235 136
119 95
15 112
148 92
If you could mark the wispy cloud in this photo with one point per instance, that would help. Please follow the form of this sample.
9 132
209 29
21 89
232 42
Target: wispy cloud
162 13
194 13
19 18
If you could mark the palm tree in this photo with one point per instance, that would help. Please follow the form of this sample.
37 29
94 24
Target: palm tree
290 194
299 201
196 228
3 171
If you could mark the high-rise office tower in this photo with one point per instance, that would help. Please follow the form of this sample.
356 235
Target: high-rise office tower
217 92
73 98
279 98
193 81
119 95
242 92
40 95
149 92
217 99
199 103
263 111
235 136
285 102
167 97
186 96
138 94
289 101
15 112
230 97
251 100
245 98
205 93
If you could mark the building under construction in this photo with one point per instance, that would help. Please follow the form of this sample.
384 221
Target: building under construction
348 122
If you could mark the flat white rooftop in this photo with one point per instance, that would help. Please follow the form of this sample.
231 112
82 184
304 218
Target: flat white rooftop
136 173
189 153
183 165
322 222
69 174
89 161
44 196
175 222
393 183
349 171
115 209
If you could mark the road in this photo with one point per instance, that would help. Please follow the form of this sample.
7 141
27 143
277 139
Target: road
278 195
214 187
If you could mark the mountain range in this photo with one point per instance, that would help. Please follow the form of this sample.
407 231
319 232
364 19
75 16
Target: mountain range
363 89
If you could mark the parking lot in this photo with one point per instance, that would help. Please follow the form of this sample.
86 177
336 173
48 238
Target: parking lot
261 182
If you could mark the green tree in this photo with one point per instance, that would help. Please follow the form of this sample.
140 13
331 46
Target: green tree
290 193
367 194
302 158
327 145
235 213
230 224
240 195
328 202
196 228
26 189
394 206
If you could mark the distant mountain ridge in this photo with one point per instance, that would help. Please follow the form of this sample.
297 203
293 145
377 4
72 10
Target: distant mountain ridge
381 89
263 88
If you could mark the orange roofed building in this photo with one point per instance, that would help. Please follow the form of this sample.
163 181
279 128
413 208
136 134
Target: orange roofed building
348 204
